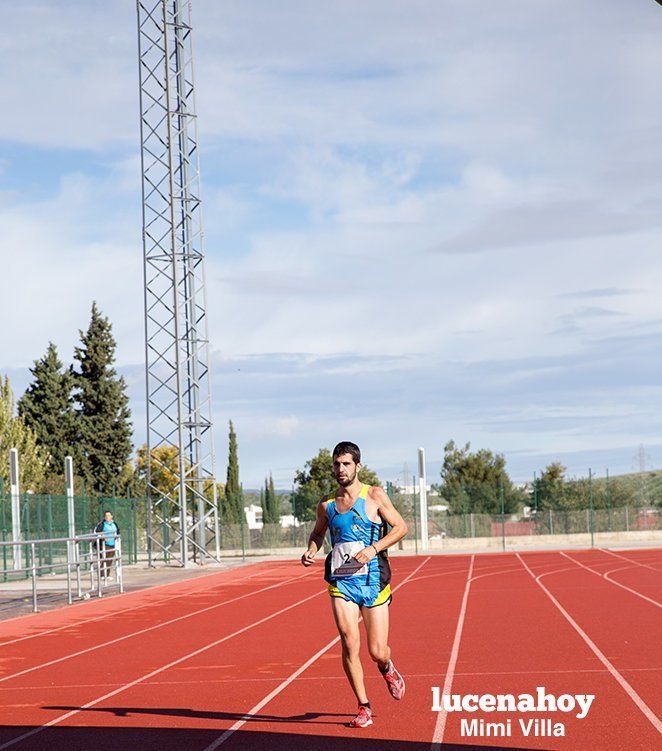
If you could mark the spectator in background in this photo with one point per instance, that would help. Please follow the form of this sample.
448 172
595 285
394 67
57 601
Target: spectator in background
110 530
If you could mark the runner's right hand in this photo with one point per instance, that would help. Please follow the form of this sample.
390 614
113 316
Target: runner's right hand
308 558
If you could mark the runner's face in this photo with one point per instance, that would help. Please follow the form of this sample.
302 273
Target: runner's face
345 469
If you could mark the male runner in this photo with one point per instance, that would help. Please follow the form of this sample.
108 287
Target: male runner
357 570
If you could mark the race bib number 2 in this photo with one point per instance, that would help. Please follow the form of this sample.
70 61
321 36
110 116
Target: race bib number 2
343 563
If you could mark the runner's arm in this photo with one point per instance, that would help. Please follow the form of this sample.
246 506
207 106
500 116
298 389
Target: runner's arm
316 539
391 515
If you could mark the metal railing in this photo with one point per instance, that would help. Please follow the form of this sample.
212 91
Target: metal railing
94 559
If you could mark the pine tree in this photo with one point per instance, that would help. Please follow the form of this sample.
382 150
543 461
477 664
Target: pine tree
47 409
232 506
103 427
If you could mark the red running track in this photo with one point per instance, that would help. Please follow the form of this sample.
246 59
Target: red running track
249 659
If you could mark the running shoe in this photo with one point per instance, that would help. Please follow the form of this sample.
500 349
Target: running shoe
394 682
362 719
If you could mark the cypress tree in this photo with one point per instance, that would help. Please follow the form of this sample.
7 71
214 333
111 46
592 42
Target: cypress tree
263 503
232 507
47 408
272 514
103 427
275 506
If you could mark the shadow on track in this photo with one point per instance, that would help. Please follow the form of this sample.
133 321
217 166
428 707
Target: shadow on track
309 717
110 738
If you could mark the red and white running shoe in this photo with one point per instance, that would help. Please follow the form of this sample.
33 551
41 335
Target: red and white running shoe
362 719
394 681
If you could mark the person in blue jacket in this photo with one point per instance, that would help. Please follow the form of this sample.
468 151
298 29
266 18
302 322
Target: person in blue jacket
110 529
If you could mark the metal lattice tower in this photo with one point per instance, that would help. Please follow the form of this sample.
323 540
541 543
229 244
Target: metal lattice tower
183 518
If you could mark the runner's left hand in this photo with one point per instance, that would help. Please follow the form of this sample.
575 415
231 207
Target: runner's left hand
365 555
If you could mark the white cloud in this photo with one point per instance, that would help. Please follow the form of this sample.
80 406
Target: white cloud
350 142
59 255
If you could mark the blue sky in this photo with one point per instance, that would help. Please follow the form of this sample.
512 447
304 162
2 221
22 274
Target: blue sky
425 222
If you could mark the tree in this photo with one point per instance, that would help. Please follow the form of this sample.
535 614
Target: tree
14 433
263 504
231 506
474 481
269 501
164 469
548 488
47 408
272 502
103 427
316 480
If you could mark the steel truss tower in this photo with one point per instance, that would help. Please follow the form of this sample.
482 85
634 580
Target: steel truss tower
183 508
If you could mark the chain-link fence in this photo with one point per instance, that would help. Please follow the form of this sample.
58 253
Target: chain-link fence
45 517
238 538
548 522
445 528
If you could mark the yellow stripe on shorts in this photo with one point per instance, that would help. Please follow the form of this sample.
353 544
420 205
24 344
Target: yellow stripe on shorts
382 596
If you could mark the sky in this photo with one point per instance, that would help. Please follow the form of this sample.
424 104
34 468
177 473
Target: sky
431 220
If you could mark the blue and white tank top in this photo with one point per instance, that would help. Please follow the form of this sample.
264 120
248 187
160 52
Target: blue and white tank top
350 532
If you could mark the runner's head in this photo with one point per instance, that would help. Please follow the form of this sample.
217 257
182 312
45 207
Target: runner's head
108 516
346 463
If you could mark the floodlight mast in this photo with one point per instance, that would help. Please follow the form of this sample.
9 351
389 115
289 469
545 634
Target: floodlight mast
180 460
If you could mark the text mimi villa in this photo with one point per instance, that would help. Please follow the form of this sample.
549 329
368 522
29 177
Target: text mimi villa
577 704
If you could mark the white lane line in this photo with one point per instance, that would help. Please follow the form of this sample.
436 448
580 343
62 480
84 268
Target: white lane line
441 573
128 595
605 576
252 712
111 613
147 629
629 690
152 673
440 725
318 678
629 560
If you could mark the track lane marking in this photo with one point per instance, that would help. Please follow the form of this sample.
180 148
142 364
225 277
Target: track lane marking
137 591
629 560
243 720
126 686
334 677
440 725
133 608
629 690
147 629
605 576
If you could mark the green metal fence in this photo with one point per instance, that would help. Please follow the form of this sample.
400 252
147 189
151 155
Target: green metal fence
547 522
444 527
45 517
238 538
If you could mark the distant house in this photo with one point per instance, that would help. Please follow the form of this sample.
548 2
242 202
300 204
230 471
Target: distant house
413 489
289 520
253 516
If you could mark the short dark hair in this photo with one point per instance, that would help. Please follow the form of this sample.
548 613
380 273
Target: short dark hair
108 511
347 447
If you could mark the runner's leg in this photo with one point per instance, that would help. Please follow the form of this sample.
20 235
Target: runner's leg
346 615
376 626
